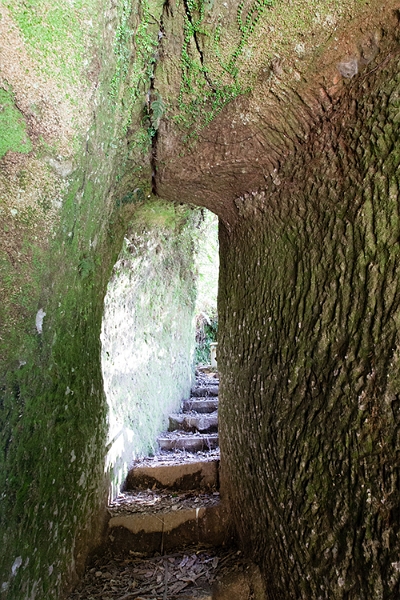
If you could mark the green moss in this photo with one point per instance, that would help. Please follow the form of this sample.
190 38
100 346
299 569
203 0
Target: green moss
122 46
53 32
13 134
222 60
136 57
39 467
52 442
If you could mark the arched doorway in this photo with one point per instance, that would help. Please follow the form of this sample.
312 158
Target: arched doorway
164 282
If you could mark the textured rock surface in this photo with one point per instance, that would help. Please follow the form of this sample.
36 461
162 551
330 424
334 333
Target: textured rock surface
282 118
75 165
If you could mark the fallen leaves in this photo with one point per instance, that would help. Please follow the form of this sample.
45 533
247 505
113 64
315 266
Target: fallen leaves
153 501
169 577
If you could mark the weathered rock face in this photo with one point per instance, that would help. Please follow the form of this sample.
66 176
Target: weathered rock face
302 171
148 331
310 351
75 165
282 118
267 73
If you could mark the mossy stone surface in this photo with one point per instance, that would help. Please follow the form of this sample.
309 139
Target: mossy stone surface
13 134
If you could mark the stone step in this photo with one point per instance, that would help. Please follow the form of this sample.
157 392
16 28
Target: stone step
194 422
157 522
205 391
206 382
191 442
199 475
204 405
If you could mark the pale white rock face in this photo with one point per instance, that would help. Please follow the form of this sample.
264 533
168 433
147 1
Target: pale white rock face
63 168
40 315
348 68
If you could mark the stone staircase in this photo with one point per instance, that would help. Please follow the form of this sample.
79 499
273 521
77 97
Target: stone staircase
195 429
172 500
168 533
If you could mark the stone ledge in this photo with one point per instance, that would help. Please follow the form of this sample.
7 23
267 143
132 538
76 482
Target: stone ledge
165 531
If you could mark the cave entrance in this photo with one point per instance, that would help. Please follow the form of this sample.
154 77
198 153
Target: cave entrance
160 317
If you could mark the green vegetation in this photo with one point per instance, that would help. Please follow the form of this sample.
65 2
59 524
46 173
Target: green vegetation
157 112
247 25
207 272
146 42
136 59
205 90
206 334
122 47
13 135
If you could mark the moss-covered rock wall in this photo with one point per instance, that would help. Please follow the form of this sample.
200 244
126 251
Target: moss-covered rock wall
75 164
309 353
148 331
300 164
104 103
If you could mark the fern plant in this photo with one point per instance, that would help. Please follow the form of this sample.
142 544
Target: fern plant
157 111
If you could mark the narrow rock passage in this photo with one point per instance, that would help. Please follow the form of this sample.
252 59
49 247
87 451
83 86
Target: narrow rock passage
168 532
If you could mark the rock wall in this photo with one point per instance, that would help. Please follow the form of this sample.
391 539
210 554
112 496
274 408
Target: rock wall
309 351
284 121
148 331
75 151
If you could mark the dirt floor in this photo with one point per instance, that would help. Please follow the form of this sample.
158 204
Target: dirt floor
155 501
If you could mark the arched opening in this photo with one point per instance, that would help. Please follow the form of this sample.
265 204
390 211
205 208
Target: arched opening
163 285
